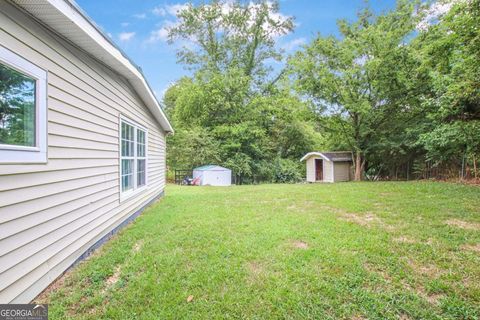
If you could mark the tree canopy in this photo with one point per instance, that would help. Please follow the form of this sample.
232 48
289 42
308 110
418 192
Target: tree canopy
400 89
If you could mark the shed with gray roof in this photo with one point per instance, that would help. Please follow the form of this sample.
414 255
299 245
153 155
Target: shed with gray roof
328 166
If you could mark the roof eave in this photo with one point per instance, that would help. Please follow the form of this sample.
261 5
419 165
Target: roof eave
311 154
325 157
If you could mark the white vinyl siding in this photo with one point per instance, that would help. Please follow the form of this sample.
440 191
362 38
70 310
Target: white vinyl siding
51 213
311 177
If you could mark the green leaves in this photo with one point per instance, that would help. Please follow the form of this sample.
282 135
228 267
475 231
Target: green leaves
397 88
231 35
358 81
248 116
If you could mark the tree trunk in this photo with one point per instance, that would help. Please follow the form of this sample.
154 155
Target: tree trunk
475 166
358 166
408 170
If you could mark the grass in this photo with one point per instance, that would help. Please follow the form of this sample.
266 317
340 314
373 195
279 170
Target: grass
406 250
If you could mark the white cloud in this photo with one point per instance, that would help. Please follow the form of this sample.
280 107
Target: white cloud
159 11
170 9
160 34
293 44
125 24
126 36
140 15
435 12
174 9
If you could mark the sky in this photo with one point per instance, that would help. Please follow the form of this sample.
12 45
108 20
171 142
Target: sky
138 28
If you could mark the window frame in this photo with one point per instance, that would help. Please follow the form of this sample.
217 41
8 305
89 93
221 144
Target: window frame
135 189
16 154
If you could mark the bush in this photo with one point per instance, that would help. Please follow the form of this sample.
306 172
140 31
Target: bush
287 171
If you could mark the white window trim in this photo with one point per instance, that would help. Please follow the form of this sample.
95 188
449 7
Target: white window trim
21 154
124 195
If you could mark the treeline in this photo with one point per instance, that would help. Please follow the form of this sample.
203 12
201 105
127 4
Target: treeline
401 90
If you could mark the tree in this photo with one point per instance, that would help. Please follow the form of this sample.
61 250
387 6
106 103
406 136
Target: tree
248 111
362 79
450 48
230 35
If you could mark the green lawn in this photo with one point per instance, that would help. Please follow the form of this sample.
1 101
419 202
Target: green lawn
320 251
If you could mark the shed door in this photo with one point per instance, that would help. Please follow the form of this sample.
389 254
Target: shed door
318 170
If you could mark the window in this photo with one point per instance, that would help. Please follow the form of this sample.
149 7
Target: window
23 127
133 162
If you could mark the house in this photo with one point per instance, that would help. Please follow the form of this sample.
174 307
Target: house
328 166
82 142
213 175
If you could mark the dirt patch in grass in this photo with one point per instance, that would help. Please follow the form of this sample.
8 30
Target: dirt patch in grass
137 246
417 289
463 224
254 267
431 271
301 207
255 270
381 273
431 298
471 247
368 220
363 220
385 194
297 244
110 281
434 298
404 239
332 209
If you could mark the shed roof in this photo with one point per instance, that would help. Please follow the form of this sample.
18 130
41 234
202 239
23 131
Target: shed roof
335 156
211 167
67 19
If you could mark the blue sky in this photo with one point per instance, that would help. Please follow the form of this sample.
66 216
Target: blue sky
137 26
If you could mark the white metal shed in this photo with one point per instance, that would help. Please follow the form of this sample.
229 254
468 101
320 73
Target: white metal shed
213 175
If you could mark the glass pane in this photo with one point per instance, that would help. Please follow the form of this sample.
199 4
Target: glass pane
127 174
127 183
124 143
141 173
130 149
130 133
140 136
127 167
124 130
127 140
141 150
17 108
140 143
